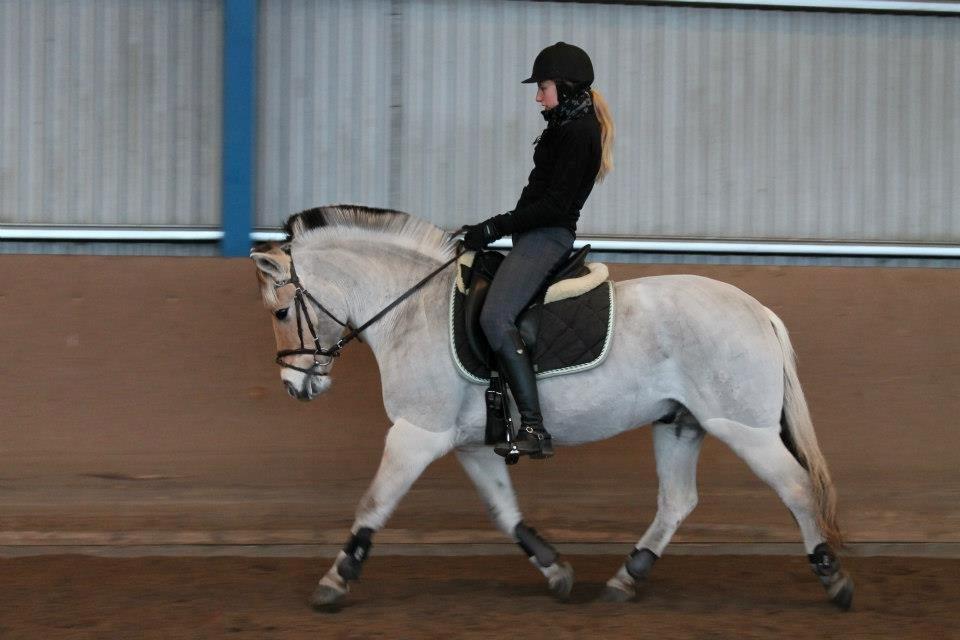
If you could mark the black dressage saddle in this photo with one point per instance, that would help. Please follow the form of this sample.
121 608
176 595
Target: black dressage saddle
567 326
479 278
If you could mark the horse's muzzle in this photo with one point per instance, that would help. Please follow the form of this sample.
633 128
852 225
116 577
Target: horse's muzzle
313 385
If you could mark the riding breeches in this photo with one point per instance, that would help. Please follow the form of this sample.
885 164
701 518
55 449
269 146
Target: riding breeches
534 256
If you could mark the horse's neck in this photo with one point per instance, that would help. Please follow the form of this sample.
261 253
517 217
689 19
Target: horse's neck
371 276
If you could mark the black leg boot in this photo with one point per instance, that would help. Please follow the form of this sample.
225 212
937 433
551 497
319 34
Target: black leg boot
517 369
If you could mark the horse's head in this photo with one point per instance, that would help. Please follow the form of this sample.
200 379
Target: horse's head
305 358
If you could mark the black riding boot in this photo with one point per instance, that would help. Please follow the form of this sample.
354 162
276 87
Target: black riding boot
517 369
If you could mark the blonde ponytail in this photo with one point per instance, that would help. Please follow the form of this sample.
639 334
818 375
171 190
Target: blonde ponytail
606 134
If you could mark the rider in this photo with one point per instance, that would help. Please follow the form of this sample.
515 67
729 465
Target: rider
572 153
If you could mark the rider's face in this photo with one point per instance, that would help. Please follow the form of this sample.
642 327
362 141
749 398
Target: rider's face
547 94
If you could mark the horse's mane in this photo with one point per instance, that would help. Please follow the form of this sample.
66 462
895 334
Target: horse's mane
324 224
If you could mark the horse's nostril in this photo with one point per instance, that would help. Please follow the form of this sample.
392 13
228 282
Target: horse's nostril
292 390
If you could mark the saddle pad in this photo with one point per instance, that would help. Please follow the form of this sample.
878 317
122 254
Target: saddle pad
574 335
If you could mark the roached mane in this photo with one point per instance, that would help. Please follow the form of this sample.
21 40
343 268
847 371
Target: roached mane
350 221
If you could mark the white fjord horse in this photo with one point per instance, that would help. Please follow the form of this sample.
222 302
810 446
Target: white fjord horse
690 355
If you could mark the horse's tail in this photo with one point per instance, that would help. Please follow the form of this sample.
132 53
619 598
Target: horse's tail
797 433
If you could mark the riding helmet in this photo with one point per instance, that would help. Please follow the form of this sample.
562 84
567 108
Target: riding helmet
562 61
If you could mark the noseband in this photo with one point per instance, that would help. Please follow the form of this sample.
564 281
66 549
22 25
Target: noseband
300 298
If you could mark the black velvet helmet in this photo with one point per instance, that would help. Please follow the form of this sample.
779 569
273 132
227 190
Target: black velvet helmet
562 61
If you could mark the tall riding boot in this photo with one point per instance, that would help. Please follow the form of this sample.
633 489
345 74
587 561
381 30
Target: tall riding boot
517 369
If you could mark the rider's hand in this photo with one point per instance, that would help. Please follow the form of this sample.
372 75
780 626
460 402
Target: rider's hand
473 237
477 236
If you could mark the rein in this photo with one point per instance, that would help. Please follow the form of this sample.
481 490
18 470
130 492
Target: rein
300 302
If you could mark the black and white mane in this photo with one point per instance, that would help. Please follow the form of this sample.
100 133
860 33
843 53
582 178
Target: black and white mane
350 221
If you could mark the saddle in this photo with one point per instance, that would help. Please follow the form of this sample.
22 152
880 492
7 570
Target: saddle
566 327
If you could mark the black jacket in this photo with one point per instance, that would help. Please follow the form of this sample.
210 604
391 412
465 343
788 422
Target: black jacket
565 165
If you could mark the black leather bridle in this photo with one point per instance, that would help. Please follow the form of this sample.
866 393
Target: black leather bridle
300 299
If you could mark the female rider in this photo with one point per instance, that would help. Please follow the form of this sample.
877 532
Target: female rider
572 153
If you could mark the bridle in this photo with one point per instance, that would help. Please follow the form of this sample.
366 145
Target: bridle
300 298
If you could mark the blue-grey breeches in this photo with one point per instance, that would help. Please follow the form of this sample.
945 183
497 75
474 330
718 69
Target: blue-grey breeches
534 255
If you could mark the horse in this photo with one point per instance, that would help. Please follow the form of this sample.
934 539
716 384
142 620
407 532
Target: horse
690 356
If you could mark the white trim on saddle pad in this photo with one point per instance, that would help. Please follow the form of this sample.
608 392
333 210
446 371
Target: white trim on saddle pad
462 370
568 288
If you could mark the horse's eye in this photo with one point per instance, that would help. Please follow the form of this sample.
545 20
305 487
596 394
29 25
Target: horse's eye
281 313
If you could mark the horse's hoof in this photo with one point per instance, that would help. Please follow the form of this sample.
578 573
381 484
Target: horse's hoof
841 591
560 580
326 598
613 594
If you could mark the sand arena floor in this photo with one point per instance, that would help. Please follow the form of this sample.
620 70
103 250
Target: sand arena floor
80 597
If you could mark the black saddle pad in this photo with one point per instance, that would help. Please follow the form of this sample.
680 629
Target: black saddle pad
574 335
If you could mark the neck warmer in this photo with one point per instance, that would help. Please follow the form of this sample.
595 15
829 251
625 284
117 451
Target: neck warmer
570 108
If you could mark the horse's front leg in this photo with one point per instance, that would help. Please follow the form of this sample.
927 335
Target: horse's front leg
489 474
407 452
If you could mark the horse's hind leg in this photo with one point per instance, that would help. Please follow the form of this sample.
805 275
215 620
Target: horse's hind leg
677 448
765 453
407 452
489 475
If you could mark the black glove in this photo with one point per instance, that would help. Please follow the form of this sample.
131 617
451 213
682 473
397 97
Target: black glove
477 236
473 237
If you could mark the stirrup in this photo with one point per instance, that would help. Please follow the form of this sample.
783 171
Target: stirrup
508 451
534 442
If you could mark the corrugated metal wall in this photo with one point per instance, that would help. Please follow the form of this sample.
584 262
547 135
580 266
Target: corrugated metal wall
731 123
324 105
110 111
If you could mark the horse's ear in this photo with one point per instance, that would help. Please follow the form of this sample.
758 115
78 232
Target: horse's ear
274 265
